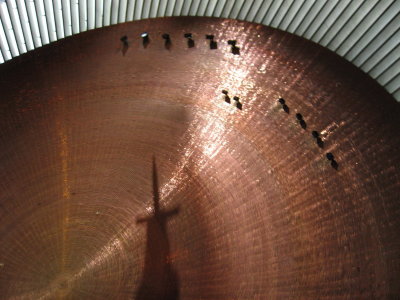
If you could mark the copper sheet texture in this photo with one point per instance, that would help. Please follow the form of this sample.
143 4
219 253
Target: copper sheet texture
126 174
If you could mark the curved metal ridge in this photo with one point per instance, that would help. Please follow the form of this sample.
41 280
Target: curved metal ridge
155 160
365 33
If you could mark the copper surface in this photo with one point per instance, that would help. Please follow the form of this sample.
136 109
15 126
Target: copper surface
126 173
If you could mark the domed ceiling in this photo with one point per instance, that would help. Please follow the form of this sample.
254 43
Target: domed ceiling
178 168
365 33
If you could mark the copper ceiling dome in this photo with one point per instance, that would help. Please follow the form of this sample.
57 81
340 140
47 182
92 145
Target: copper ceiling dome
196 158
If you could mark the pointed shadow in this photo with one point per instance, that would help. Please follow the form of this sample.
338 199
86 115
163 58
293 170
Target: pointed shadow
125 44
159 280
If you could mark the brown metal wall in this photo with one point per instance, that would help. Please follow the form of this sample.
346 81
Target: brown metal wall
258 210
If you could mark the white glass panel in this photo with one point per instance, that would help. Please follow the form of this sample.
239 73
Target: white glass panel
8 29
